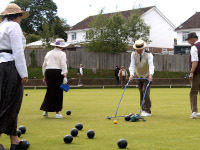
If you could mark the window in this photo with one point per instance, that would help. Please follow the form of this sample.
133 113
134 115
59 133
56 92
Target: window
74 36
185 35
88 34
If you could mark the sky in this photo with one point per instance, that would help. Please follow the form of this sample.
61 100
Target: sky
74 11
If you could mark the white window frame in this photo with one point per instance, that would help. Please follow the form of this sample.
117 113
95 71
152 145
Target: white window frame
73 36
184 36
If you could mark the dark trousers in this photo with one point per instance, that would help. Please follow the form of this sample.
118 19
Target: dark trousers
117 80
80 79
194 92
123 80
142 84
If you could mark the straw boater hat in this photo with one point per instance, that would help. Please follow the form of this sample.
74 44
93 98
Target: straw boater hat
139 44
192 35
14 9
59 43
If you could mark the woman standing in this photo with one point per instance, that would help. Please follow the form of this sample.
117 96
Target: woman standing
55 73
13 70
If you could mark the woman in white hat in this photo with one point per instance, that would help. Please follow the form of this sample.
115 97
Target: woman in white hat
13 70
55 73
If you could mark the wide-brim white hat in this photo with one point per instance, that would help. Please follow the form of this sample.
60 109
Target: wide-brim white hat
139 44
59 43
13 8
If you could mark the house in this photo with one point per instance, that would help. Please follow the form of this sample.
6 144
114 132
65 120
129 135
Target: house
190 25
161 32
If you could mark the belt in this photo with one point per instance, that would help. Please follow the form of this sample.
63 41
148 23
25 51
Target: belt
6 51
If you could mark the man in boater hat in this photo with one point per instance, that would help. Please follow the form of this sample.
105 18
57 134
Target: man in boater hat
142 67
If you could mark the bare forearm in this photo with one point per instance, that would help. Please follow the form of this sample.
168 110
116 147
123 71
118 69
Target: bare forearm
194 66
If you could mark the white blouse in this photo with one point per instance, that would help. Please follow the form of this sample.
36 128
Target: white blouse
55 59
12 38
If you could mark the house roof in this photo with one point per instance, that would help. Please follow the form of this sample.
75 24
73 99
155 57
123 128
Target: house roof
84 23
192 23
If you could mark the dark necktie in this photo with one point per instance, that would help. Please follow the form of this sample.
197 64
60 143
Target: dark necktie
140 57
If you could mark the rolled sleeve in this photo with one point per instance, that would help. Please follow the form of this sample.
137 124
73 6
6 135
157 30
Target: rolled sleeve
132 65
194 54
151 65
16 37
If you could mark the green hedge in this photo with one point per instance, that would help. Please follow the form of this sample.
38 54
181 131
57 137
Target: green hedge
36 72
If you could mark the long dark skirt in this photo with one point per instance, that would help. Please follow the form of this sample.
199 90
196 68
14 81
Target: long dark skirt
11 94
53 100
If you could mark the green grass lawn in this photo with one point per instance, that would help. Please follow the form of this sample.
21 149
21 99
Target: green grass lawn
169 127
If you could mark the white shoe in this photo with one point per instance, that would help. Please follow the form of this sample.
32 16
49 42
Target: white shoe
145 114
194 115
45 113
58 116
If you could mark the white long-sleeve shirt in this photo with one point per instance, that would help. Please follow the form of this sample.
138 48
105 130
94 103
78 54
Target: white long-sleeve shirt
55 59
150 62
194 53
12 38
81 71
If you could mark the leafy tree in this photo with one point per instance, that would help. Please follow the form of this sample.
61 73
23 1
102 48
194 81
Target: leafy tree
112 34
95 37
43 17
32 38
136 27
60 25
48 34
39 11
116 35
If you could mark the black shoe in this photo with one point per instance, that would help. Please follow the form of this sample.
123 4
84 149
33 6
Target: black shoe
14 147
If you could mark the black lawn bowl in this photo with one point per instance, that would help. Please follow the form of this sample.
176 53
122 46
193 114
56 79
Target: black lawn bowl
122 143
90 134
68 138
127 118
26 94
19 132
79 126
22 129
24 145
68 112
74 132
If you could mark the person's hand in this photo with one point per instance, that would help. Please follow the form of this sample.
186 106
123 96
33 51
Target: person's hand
44 80
131 78
65 80
24 80
150 77
191 76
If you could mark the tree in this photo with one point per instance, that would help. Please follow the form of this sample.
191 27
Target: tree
136 27
112 34
95 37
39 11
43 19
116 34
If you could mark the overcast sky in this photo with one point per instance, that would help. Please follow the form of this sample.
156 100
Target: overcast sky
177 11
